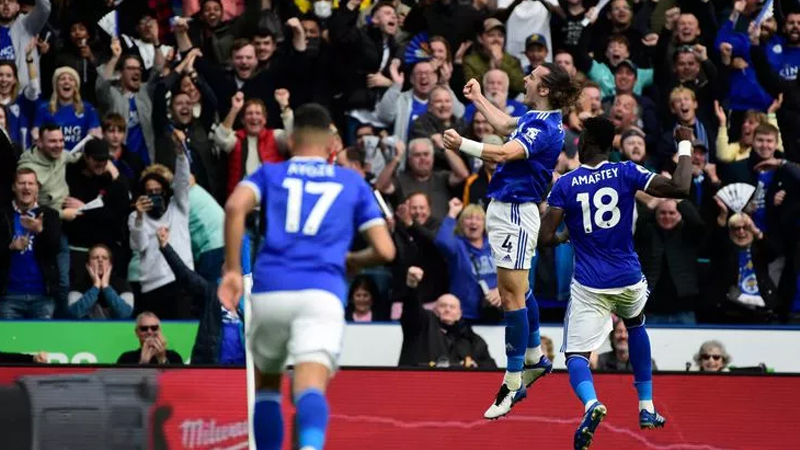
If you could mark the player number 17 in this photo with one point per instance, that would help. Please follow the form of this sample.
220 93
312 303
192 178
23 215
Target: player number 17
294 205
602 207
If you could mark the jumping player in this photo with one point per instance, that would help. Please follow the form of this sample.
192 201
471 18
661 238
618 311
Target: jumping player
311 209
523 175
596 201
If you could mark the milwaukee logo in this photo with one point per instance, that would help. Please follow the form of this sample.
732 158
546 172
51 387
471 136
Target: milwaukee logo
201 433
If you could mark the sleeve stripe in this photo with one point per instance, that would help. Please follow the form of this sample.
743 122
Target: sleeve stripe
371 223
524 148
649 179
253 187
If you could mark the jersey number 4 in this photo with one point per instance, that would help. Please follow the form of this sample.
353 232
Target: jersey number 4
602 209
294 205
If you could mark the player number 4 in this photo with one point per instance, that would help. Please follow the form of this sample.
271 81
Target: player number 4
602 209
294 206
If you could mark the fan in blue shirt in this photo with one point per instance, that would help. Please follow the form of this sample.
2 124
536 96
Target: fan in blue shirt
597 202
65 108
524 171
311 210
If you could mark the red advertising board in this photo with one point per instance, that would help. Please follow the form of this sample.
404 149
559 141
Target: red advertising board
205 409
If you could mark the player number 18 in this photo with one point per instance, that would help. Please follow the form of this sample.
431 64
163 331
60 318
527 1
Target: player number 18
602 207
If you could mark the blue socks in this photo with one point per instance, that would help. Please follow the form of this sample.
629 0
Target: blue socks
534 339
639 349
312 418
580 378
516 339
268 420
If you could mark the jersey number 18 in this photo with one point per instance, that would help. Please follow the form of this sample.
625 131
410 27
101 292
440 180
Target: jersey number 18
602 209
327 191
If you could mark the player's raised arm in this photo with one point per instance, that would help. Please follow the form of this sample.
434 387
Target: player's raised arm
241 202
498 119
509 151
679 185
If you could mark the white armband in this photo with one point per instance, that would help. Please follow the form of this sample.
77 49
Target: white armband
684 148
471 147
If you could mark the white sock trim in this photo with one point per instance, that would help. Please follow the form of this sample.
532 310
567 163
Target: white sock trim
533 355
513 380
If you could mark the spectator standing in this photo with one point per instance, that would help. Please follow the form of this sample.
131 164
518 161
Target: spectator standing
66 108
463 242
403 108
414 235
255 143
439 116
365 55
420 176
78 49
162 205
99 294
29 243
96 179
618 49
220 334
129 164
745 293
130 99
668 245
565 25
490 55
17 30
49 161
205 162
438 338
152 344
19 103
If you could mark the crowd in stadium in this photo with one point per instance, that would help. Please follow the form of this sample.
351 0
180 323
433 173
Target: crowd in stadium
126 123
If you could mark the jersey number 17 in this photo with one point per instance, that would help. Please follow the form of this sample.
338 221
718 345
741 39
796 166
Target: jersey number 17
602 209
327 192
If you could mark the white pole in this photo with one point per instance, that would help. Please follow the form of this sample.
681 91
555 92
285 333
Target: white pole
250 368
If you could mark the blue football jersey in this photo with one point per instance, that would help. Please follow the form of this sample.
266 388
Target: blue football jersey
311 211
74 126
541 134
598 204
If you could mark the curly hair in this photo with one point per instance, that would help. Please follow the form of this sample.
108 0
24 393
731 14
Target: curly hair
564 91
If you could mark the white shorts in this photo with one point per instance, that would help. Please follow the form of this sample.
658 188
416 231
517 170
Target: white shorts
513 229
307 326
587 323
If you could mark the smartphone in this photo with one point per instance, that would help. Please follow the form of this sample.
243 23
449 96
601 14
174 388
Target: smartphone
157 200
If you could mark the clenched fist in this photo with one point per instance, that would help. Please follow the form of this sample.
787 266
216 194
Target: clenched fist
472 90
452 140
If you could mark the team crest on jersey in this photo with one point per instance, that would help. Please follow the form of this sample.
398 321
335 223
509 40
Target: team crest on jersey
14 110
530 134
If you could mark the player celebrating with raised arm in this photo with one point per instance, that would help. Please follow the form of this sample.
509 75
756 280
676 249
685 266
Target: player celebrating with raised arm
523 175
597 201
311 209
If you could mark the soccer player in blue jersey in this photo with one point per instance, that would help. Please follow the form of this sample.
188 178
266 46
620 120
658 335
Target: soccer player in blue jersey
311 210
523 175
597 202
